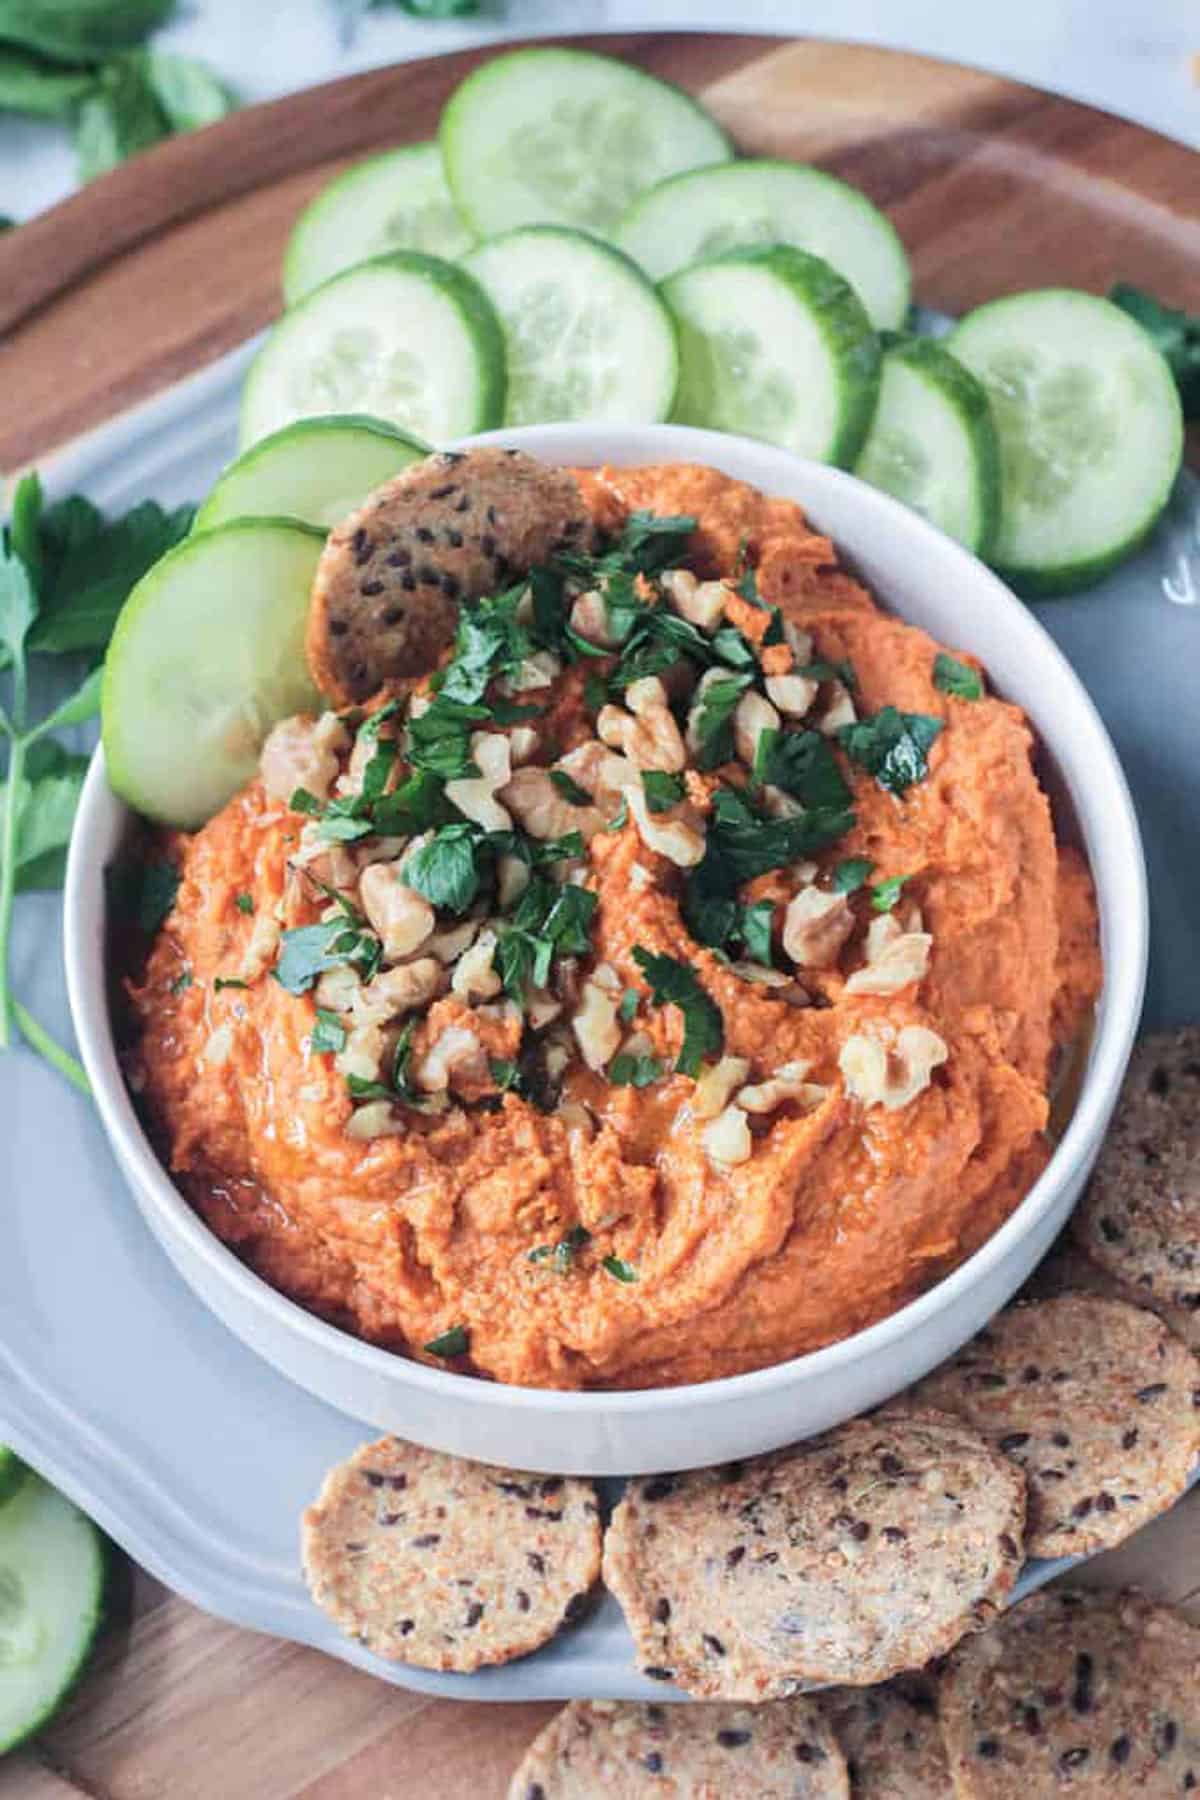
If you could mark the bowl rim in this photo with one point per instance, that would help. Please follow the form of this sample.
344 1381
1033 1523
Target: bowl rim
1117 1014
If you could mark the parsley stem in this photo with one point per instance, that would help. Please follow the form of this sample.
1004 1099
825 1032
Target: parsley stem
8 873
39 1039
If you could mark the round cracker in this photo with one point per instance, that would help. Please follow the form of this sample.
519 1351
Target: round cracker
1089 1692
447 1564
1095 1399
453 527
628 1751
891 1740
850 1557
1140 1217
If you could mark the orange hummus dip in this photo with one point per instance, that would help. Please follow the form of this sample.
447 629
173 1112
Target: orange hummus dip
683 1229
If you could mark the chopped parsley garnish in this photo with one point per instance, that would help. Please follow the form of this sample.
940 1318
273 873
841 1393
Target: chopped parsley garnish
630 1000
569 789
244 903
712 720
446 870
674 983
740 845
454 1342
957 678
184 980
892 746
562 1255
851 874
634 1071
505 1073
491 641
548 921
885 894
620 818
361 1088
647 543
595 692
619 1269
328 1033
228 981
662 791
440 737
308 950
754 928
804 766
821 669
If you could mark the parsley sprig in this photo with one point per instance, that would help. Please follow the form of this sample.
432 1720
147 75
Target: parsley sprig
673 983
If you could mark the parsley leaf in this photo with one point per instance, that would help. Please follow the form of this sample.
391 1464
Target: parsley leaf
662 791
851 874
440 737
754 927
674 983
91 564
505 1074
618 1269
804 766
491 641
820 669
308 950
569 789
454 1342
712 720
244 903
48 794
630 1000
447 869
1176 333
885 894
741 844
562 1255
328 1033
892 746
228 981
634 1071
958 678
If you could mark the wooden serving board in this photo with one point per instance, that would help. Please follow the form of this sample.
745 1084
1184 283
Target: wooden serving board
156 269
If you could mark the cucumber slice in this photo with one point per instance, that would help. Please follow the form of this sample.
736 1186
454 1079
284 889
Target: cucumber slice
407 338
701 214
932 442
398 201
1091 432
316 470
586 335
207 655
566 137
774 343
53 1566
12 1473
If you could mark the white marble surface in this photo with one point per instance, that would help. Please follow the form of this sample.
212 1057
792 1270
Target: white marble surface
1131 56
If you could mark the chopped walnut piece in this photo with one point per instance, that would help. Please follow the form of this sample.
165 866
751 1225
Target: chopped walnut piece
788 1084
710 678
261 946
714 1087
895 958
396 991
647 732
891 1068
541 670
337 988
303 753
603 773
677 835
792 694
402 917
701 603
815 927
799 642
475 795
727 1139
595 1024
751 717
474 977
378 1118
448 945
589 617
543 811
840 710
456 1057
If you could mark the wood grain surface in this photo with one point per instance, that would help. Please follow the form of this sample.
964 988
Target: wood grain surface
165 263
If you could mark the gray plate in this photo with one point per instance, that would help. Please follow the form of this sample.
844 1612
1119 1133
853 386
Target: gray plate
120 1386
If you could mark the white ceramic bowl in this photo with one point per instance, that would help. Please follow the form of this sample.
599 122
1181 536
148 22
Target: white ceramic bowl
926 578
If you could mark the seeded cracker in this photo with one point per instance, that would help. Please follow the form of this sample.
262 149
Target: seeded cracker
851 1557
1140 1217
1097 1401
456 526
623 1751
447 1564
892 1742
1093 1693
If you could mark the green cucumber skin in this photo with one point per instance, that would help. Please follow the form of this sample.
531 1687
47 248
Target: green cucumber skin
317 425
741 166
968 396
108 1563
494 70
844 325
463 292
1042 583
